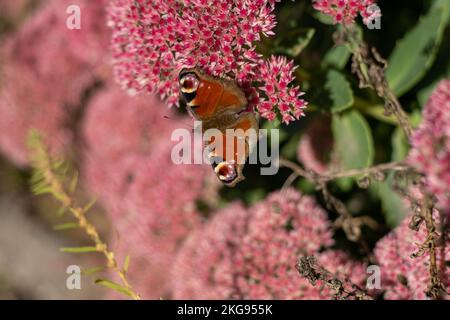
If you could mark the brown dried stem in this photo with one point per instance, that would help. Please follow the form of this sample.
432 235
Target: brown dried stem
370 68
436 288
351 225
308 268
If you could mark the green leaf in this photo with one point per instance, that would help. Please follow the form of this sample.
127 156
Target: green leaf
378 112
393 206
94 270
61 211
415 53
340 91
73 183
295 41
345 184
353 140
400 146
255 195
323 18
89 205
424 94
289 150
115 286
337 57
306 186
438 4
126 263
275 124
79 249
66 226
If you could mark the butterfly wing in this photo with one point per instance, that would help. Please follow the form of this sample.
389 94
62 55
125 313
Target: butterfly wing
228 157
221 104
207 97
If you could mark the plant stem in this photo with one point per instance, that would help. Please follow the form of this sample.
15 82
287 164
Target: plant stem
308 268
44 163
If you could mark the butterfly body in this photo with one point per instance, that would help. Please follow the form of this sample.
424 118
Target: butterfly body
220 104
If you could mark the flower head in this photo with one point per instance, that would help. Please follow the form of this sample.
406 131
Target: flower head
430 153
154 39
405 277
279 97
251 253
345 11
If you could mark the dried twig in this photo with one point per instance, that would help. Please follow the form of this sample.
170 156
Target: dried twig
436 289
370 68
351 225
309 269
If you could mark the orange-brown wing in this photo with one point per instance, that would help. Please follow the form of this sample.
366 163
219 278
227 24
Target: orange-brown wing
229 156
207 96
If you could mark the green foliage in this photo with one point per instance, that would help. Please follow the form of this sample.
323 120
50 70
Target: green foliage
52 176
114 286
93 270
337 57
86 249
416 45
415 53
353 140
65 226
394 207
294 42
341 93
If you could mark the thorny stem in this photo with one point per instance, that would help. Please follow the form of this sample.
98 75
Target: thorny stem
308 268
43 162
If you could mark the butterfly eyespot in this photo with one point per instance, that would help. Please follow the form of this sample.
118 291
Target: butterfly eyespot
226 172
189 83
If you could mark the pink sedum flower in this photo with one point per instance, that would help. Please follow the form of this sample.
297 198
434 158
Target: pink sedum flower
251 253
46 70
153 40
278 74
430 153
402 277
346 11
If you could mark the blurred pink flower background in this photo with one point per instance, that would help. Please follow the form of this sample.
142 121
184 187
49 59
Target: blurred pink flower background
431 146
177 249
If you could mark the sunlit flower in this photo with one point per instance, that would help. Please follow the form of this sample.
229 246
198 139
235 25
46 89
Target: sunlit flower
154 40
278 75
346 11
